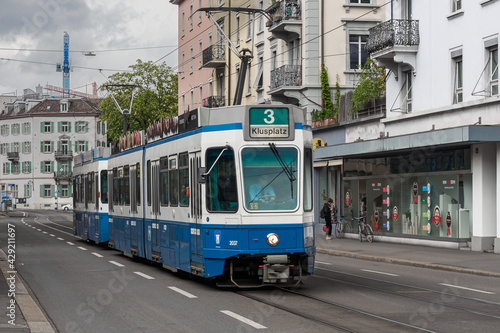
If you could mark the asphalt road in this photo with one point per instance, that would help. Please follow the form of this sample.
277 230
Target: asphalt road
87 288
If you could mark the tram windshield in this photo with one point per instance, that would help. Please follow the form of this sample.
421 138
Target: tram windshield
270 178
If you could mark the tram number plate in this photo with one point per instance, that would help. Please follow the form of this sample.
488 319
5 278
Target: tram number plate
269 123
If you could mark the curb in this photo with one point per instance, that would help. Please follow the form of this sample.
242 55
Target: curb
31 311
408 262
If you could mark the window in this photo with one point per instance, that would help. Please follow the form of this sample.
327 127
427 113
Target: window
15 147
237 33
15 168
494 71
64 127
15 129
148 180
104 186
182 23
81 146
138 184
47 166
191 16
457 5
6 168
47 127
191 99
47 190
125 186
26 166
200 95
64 106
26 128
270 183
191 57
64 191
82 126
27 191
260 27
182 64
116 186
46 146
173 180
249 26
360 1
458 81
408 90
164 181
199 13
357 51
184 179
200 57
221 190
3 148
5 130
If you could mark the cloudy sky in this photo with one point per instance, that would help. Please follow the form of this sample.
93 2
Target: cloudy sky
118 31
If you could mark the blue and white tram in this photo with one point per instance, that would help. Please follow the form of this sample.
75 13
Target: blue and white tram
90 195
222 193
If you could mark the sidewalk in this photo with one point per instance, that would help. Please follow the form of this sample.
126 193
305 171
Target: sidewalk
463 261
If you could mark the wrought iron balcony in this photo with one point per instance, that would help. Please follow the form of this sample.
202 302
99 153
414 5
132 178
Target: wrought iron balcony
13 156
63 175
393 33
286 76
63 154
286 18
214 101
214 56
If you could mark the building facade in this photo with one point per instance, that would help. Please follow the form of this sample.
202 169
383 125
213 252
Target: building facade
429 169
38 141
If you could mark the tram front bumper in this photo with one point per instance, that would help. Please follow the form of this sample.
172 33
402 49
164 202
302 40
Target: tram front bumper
276 268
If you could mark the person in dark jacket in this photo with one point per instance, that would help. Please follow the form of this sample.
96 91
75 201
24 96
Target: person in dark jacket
327 211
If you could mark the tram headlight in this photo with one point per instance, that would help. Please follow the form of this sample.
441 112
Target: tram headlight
272 239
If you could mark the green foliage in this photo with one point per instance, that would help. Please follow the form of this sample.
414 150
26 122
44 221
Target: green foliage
157 98
370 85
329 109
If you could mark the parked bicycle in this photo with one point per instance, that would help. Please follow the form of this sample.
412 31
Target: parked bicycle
364 229
341 227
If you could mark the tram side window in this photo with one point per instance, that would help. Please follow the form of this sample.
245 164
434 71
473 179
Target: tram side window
308 179
221 189
184 179
164 181
148 179
173 178
125 186
116 188
104 186
138 184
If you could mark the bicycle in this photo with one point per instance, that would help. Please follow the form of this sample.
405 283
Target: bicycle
341 227
364 229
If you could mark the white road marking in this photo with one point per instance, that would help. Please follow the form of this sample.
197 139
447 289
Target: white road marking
185 293
117 264
70 243
82 248
243 319
377 272
97 254
476 290
38 230
52 235
45 232
60 238
323 263
144 275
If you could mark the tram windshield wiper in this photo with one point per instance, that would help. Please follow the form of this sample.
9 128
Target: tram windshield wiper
287 169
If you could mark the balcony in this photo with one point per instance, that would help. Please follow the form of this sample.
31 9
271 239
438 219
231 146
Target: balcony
286 19
13 156
393 42
286 83
214 56
63 155
214 101
63 175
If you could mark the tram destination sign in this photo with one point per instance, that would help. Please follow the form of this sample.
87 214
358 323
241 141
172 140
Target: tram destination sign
269 123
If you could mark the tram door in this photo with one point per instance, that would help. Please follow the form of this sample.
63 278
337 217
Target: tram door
195 204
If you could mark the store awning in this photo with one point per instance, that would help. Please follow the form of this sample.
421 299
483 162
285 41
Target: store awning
445 137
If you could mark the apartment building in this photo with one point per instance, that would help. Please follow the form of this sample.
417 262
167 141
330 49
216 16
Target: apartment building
38 141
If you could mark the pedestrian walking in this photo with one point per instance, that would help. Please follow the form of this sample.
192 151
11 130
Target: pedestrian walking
327 215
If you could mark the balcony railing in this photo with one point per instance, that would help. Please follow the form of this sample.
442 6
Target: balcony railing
214 56
214 101
63 174
284 10
63 154
13 156
393 33
286 76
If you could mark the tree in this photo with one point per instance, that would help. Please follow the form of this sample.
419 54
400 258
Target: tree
371 84
156 97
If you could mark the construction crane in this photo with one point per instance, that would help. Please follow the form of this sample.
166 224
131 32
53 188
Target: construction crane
71 92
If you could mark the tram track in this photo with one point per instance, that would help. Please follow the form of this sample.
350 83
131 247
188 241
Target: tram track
437 297
334 315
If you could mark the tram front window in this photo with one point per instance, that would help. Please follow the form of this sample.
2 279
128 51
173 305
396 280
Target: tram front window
222 194
270 178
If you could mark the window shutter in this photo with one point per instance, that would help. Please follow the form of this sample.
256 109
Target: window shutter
69 126
86 145
59 127
51 166
59 189
51 146
70 167
25 191
41 146
42 194
22 167
41 127
52 192
76 146
29 167
51 127
29 128
41 167
70 190
86 127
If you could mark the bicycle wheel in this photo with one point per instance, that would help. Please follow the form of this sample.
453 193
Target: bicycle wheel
369 233
337 230
360 234
347 228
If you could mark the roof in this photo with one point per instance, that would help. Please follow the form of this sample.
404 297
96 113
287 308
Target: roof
48 107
